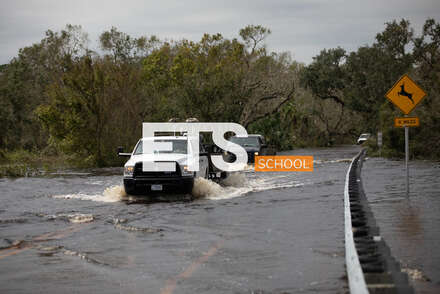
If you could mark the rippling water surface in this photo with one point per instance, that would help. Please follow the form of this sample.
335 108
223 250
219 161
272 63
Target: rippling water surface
410 225
253 233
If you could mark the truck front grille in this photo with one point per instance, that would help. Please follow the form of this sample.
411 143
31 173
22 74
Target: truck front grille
155 174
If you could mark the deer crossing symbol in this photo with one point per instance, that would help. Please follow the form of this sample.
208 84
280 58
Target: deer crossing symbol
405 93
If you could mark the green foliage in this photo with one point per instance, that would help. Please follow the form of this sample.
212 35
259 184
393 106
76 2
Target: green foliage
19 163
125 48
23 85
74 116
59 98
325 76
81 117
277 127
359 80
214 80
253 36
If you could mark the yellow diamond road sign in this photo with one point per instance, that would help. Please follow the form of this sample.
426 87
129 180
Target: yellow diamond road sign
405 94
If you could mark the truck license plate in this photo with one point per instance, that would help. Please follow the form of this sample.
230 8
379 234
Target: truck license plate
156 187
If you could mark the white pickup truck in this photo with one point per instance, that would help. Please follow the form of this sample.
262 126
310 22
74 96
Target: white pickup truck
139 182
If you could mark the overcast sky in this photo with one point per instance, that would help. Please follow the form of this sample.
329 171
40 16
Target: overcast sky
302 27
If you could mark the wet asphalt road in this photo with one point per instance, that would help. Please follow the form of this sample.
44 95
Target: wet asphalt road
257 233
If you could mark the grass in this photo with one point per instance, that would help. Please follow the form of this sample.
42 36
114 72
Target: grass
23 163
373 150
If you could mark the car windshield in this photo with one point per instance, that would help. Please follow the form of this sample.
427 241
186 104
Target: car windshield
364 136
245 141
179 146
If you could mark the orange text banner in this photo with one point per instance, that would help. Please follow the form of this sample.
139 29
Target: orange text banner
286 163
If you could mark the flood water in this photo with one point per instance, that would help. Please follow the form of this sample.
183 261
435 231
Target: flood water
409 225
254 233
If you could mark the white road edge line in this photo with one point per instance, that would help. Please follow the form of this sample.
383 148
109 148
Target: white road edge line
356 280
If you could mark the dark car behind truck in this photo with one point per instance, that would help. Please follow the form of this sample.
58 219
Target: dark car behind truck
254 145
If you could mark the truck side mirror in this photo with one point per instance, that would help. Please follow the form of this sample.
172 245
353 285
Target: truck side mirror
121 152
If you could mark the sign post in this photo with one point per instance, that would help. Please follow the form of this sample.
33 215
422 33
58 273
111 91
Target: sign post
407 158
406 94
379 142
406 122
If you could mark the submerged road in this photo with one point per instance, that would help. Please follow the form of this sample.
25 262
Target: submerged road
409 225
256 233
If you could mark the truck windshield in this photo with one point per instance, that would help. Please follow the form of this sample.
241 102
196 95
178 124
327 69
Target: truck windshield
245 141
179 146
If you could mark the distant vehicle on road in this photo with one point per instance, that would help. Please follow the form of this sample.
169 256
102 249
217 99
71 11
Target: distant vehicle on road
254 144
363 137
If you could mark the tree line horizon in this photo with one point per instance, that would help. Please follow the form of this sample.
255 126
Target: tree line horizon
59 97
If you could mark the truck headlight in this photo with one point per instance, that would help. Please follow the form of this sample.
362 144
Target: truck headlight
128 171
256 153
186 172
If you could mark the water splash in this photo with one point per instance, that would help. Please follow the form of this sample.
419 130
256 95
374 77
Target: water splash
235 185
79 218
110 194
205 188
235 180
238 184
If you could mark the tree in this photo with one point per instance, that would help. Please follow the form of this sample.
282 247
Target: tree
427 55
25 80
372 70
427 60
395 39
253 36
269 84
123 47
215 80
77 114
325 76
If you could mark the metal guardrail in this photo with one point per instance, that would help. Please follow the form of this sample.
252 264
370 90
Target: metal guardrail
370 266
356 280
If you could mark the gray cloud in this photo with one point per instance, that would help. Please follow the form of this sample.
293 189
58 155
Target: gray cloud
303 27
